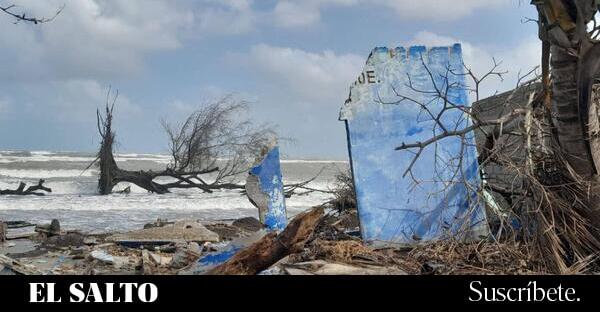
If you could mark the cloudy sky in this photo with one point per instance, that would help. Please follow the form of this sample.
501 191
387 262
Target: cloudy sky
293 60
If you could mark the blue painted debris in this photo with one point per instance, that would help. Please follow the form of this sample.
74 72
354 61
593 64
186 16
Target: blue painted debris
217 258
392 207
264 187
224 251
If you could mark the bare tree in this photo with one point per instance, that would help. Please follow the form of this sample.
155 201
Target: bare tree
218 135
32 190
19 17
209 149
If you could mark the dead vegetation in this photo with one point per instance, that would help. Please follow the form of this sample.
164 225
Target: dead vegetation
539 206
36 190
343 192
11 10
208 150
215 136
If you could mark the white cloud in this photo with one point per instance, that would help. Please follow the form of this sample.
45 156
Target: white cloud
225 17
437 10
318 77
76 102
307 76
303 13
292 13
105 39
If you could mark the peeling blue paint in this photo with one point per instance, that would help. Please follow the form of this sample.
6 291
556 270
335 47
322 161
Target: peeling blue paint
216 258
393 208
271 184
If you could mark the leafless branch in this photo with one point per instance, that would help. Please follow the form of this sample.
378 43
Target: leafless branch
23 17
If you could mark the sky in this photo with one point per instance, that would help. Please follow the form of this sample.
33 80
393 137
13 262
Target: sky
292 61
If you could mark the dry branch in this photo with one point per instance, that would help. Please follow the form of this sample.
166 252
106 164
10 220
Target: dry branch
32 190
23 17
546 204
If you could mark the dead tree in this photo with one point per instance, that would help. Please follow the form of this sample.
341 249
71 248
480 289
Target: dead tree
32 190
216 136
208 151
19 17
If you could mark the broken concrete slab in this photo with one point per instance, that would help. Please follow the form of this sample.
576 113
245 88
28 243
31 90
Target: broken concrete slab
23 248
264 187
18 224
435 200
179 232
21 236
18 267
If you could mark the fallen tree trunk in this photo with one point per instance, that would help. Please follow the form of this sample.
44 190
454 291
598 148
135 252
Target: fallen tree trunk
272 248
32 190
185 177
111 174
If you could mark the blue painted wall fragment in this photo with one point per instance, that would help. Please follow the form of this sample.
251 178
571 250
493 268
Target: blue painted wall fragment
265 190
394 208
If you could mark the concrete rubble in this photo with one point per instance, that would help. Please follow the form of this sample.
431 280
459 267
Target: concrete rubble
163 248
178 232
320 241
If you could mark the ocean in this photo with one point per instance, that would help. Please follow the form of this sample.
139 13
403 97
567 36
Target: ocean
75 202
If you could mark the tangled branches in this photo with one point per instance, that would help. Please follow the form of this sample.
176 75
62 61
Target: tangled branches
23 17
533 194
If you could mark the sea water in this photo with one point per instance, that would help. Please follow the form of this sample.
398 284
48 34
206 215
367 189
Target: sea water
75 201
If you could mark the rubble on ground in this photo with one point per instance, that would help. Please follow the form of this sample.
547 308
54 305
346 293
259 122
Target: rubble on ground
317 242
162 247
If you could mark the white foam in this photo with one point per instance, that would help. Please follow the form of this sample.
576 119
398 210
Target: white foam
46 174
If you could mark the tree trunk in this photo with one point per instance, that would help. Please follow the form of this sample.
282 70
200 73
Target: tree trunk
569 120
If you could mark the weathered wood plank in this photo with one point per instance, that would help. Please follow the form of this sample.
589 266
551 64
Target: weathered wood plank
271 248
18 267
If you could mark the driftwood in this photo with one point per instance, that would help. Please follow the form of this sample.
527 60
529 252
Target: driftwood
271 248
17 266
32 190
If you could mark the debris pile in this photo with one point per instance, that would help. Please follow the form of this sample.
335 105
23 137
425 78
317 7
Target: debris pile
162 247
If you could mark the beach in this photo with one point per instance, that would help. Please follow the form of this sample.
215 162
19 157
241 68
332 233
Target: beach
75 201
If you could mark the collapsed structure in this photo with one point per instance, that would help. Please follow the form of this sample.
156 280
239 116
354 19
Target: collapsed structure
405 96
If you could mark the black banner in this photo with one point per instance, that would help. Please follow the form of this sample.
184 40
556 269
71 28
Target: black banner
297 291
